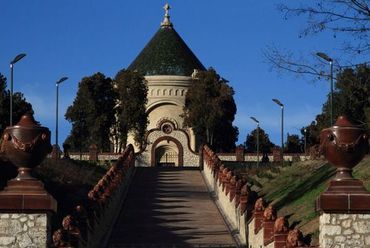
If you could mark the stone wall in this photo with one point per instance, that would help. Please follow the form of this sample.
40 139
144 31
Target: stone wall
231 194
250 157
255 240
24 230
344 230
227 156
101 156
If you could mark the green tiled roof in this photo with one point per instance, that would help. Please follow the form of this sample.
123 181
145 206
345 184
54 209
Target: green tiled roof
166 54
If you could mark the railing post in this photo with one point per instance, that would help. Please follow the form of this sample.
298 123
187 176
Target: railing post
269 217
239 153
93 153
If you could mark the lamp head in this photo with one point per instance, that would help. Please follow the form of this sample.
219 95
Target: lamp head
278 102
255 120
61 80
17 58
324 56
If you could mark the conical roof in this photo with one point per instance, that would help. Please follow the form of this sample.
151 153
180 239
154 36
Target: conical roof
166 54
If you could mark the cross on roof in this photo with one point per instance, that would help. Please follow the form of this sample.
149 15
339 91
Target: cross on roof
166 21
166 7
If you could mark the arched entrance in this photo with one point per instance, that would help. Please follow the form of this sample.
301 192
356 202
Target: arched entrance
167 152
166 156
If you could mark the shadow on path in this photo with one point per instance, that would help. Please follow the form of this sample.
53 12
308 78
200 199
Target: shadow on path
169 207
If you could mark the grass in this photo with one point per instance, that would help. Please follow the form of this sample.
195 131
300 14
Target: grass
68 181
294 189
362 171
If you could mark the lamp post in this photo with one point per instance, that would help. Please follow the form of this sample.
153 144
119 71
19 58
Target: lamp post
258 139
305 141
330 60
56 112
15 60
282 126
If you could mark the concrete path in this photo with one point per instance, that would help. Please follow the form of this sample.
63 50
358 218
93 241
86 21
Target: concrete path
169 207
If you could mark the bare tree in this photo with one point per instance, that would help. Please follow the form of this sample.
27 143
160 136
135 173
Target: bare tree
284 60
337 16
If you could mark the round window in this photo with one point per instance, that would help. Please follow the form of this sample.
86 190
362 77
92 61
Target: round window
167 128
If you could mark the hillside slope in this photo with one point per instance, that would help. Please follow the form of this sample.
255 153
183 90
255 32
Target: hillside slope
293 190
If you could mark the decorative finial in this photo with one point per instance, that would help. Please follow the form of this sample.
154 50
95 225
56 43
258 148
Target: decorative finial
194 75
166 21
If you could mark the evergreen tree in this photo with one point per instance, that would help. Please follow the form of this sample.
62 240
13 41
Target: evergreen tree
351 98
352 94
293 144
312 134
20 105
131 109
92 113
265 145
210 110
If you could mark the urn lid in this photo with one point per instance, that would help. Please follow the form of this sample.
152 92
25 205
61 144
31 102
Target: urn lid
342 121
28 121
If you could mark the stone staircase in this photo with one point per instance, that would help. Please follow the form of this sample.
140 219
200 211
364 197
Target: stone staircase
169 207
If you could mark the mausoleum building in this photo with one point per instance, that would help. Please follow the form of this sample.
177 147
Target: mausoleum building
168 66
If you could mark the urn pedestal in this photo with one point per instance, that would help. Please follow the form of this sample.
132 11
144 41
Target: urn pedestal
345 206
25 206
344 145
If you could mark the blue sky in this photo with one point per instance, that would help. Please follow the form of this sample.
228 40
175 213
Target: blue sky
78 38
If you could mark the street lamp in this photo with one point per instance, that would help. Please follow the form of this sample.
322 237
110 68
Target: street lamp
282 126
258 139
15 60
305 141
56 114
330 60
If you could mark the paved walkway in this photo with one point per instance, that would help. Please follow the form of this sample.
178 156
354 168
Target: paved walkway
169 208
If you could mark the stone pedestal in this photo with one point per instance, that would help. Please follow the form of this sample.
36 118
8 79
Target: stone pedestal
26 196
25 213
345 205
24 230
345 215
346 196
344 230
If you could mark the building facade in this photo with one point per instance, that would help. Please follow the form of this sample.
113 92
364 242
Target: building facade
168 66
